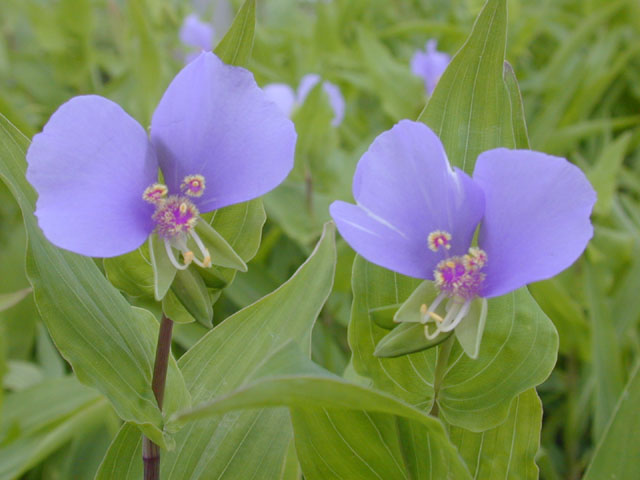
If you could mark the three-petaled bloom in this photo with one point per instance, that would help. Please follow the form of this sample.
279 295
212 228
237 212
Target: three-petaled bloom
288 100
216 137
417 216
430 64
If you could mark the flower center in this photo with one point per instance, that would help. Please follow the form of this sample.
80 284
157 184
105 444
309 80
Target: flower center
175 217
459 278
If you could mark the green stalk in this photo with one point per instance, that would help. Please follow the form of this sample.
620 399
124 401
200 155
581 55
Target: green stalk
441 367
151 451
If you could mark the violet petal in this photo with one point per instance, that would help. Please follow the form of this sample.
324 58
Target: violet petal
405 189
214 120
90 166
536 220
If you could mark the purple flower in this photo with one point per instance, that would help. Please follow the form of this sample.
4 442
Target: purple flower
429 64
214 135
417 216
196 34
283 96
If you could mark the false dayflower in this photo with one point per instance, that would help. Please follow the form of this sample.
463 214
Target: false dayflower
288 100
429 64
416 216
214 135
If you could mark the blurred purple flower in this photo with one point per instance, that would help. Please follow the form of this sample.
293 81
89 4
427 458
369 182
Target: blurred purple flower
288 100
429 64
417 216
197 35
214 135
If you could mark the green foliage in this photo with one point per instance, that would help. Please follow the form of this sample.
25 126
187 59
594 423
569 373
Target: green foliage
109 344
257 440
578 71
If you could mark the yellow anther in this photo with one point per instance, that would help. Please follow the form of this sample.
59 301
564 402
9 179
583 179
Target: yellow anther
436 317
207 261
183 208
423 309
188 257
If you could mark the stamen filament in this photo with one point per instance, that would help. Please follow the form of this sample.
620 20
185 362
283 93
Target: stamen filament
462 312
206 256
427 315
172 257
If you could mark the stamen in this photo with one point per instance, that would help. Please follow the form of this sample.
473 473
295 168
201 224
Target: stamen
193 185
206 256
155 193
172 257
462 312
427 313
174 216
438 239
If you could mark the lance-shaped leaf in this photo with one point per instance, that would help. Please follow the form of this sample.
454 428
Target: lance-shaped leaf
109 344
326 425
467 108
253 442
508 450
618 452
235 47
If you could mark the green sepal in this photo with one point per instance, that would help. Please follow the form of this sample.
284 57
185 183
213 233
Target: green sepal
191 291
222 253
407 338
176 311
163 270
409 311
469 331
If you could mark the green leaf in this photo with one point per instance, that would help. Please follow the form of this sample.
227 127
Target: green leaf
604 176
608 370
8 300
618 452
235 48
508 450
39 420
518 351
256 441
326 424
131 272
467 107
124 457
516 109
110 345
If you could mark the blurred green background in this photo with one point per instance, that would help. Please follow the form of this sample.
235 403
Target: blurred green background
578 64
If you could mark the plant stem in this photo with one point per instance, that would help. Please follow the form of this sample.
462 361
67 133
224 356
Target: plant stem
151 451
441 367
